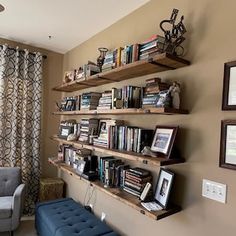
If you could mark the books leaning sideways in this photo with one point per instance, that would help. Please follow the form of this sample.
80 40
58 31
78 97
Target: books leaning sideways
152 46
135 180
111 171
88 126
105 102
151 92
89 101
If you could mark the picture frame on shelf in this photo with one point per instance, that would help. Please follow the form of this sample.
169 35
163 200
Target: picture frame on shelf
164 139
228 144
80 167
229 86
163 187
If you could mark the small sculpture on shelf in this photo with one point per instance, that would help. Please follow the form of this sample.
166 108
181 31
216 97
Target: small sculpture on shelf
173 37
100 59
174 91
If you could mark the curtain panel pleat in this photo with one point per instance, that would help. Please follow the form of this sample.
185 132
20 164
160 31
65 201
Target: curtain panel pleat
20 117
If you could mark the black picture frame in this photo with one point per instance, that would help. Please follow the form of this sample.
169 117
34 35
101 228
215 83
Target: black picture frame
228 145
164 139
163 187
229 92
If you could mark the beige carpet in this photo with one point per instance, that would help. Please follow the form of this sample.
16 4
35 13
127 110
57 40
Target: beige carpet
26 228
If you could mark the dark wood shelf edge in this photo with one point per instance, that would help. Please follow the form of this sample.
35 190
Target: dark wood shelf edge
158 215
132 156
92 80
128 111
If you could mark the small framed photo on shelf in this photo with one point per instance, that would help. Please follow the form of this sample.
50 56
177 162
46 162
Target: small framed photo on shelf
163 188
80 167
164 139
229 86
228 144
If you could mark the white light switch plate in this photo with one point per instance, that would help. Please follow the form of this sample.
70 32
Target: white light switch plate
213 190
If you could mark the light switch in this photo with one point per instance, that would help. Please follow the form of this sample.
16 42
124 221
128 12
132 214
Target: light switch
213 190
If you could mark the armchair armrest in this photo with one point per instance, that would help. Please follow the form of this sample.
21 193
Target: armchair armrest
17 205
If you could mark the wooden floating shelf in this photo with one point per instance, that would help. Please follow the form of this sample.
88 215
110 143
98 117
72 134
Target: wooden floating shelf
129 111
120 195
132 156
158 63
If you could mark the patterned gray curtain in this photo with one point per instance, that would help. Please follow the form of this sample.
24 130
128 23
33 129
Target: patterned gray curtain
20 116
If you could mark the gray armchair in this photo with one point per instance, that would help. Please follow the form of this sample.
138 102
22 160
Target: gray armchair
11 198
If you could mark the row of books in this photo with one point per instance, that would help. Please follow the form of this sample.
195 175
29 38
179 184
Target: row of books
114 134
129 138
111 171
131 53
115 173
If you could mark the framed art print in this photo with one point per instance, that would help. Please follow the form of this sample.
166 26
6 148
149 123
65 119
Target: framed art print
228 144
229 86
163 140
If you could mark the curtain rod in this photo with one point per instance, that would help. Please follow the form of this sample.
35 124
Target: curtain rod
44 56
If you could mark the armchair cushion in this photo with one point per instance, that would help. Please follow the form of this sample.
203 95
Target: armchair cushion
10 178
5 207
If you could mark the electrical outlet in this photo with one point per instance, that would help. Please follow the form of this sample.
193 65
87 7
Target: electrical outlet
103 216
213 190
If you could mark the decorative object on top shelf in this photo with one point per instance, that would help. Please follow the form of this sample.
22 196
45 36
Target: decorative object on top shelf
229 86
69 76
228 144
164 140
101 57
174 37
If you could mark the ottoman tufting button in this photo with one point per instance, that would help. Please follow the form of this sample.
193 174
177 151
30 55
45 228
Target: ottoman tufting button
69 224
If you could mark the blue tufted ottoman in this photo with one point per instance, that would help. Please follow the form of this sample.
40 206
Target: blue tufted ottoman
65 217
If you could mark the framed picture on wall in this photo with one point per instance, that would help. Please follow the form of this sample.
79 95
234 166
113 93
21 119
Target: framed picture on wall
228 144
164 139
229 86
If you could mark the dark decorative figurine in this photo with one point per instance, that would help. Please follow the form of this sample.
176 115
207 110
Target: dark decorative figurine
100 59
173 37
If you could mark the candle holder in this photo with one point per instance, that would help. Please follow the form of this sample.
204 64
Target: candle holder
100 59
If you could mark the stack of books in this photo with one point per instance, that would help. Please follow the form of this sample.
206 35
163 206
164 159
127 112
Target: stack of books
151 92
111 171
151 46
129 138
105 102
89 101
108 62
88 126
135 180
104 132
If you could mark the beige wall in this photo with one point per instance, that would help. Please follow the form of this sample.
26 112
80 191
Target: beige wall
52 71
210 43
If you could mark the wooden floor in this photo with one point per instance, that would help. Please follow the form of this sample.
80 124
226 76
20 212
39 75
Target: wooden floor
26 228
